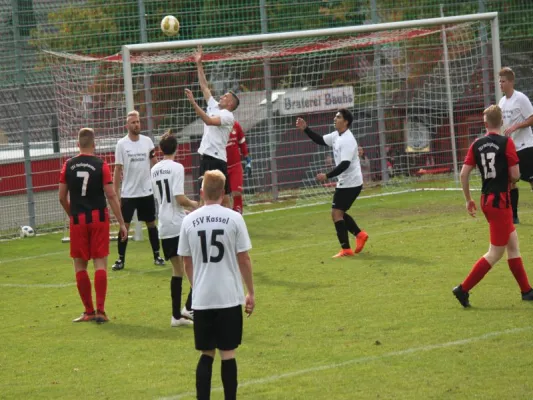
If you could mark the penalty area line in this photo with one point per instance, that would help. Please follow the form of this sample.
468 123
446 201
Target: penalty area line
361 360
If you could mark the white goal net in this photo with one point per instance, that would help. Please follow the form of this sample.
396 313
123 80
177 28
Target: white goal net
416 89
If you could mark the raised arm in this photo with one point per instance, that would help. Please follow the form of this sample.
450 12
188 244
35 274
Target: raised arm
201 74
315 137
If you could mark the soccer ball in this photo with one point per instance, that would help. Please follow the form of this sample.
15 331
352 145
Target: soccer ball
170 25
26 231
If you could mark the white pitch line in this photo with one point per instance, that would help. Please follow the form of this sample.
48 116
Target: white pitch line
34 257
361 360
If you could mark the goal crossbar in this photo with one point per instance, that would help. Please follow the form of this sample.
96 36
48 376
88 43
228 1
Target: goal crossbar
492 17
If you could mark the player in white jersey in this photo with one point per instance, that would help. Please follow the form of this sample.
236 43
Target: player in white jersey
168 178
214 243
349 181
517 121
134 156
218 123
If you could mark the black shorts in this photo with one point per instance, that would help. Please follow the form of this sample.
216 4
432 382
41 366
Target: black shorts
170 247
525 158
344 198
145 207
208 163
218 328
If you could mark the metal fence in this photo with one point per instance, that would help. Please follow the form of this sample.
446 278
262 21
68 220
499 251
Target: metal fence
31 150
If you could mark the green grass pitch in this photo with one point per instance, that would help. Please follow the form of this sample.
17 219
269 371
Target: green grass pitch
381 325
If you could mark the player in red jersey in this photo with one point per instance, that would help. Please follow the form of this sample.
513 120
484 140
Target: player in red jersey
87 180
497 161
236 148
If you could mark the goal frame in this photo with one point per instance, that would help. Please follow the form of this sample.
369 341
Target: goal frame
491 17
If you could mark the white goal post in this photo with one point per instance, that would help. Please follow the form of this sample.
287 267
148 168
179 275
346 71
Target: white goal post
422 72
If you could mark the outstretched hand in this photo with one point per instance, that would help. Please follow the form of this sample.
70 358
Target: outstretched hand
198 55
190 96
301 124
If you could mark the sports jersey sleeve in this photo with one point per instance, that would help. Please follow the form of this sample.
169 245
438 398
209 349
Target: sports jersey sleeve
106 174
510 153
226 118
243 242
525 107
470 159
212 103
63 173
184 249
119 157
241 140
348 150
178 181
328 139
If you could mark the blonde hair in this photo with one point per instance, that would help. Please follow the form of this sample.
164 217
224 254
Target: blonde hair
213 185
86 138
493 116
507 73
133 113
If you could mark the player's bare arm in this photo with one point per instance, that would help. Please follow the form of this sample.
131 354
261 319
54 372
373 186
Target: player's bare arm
525 124
514 173
114 203
245 266
184 201
214 121
187 263
63 197
117 179
201 74
465 184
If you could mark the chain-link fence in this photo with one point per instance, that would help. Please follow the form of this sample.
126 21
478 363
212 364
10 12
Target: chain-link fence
32 145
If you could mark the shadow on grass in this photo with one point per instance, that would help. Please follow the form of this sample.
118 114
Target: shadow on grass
262 278
393 259
122 329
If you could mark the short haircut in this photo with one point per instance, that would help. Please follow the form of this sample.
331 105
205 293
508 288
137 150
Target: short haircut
493 116
507 73
168 143
133 113
235 99
213 184
86 138
347 115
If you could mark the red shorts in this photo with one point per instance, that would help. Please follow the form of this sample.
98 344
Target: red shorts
235 176
500 223
89 240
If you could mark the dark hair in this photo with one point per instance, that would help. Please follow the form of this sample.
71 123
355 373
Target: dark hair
346 115
237 101
168 143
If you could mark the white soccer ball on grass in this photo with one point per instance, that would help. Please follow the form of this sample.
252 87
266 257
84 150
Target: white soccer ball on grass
26 231
170 25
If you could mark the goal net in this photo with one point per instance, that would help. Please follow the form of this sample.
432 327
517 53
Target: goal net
416 89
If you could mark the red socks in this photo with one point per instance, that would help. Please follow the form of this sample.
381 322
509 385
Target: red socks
477 273
100 287
84 289
237 204
517 268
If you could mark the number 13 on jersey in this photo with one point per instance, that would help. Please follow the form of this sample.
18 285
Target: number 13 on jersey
487 161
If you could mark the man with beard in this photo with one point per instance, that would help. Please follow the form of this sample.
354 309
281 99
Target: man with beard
134 158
